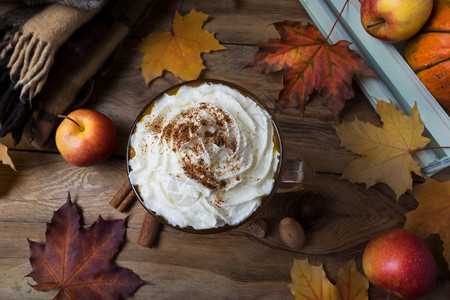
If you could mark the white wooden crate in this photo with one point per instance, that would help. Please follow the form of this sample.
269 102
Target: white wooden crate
396 83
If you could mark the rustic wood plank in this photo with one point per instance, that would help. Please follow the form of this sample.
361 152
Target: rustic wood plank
352 216
348 223
122 94
232 21
348 220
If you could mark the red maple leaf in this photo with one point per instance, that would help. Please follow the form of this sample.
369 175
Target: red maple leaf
78 262
309 63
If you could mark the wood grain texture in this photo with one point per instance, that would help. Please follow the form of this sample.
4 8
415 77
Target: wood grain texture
229 265
234 264
232 21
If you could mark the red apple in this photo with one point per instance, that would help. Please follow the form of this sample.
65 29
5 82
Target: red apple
394 20
399 262
86 137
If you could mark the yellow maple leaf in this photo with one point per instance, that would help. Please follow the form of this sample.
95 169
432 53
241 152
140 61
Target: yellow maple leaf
178 50
432 215
4 157
385 152
351 283
311 282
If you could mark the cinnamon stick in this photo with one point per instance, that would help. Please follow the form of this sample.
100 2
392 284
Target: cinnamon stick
149 230
123 199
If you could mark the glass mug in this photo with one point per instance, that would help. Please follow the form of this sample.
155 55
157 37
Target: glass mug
290 175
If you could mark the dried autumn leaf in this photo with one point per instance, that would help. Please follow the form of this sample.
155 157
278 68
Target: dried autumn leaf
432 215
78 262
385 152
178 50
4 157
310 282
309 63
351 284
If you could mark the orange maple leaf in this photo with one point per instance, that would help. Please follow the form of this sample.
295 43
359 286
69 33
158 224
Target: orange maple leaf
309 63
385 152
4 157
311 282
433 213
178 50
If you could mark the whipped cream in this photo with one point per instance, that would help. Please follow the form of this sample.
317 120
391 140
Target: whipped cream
204 157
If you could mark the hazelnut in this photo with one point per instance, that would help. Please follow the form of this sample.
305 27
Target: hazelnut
258 228
291 232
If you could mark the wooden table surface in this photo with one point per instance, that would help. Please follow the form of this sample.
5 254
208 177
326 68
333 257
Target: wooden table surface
230 265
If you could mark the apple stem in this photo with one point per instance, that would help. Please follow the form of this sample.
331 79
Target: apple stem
174 6
429 148
69 118
377 23
337 19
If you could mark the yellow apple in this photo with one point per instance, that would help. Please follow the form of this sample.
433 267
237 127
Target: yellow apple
86 137
394 20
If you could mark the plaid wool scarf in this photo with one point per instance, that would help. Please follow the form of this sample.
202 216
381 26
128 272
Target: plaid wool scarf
49 53
82 4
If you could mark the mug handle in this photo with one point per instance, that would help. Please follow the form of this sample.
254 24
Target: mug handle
297 175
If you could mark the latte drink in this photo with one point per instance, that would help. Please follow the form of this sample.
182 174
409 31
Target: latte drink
204 157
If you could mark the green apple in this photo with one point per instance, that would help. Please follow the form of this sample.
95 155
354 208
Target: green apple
399 262
86 137
394 20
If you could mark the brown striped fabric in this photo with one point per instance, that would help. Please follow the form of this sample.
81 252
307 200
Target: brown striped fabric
81 4
49 56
